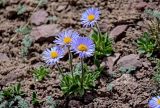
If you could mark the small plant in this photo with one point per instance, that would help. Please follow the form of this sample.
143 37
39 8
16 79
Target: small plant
71 85
110 87
24 30
80 78
21 9
35 100
146 44
50 102
154 26
40 73
26 42
13 91
127 70
12 96
103 44
17 90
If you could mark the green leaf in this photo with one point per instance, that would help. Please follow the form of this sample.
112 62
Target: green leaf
103 44
35 100
51 102
146 44
40 73
25 30
21 9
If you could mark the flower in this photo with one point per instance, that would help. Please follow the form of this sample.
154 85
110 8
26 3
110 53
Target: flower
83 46
154 102
66 37
90 17
51 56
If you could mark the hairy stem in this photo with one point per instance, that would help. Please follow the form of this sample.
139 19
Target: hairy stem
99 32
70 60
82 77
59 68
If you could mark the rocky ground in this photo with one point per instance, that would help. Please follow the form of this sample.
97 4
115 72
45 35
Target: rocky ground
122 19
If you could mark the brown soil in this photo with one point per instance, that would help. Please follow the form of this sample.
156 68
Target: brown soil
129 91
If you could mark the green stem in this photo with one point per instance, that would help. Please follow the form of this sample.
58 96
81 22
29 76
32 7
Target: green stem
70 60
99 32
82 77
59 69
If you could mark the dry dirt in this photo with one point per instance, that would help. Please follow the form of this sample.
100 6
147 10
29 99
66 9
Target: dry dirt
128 90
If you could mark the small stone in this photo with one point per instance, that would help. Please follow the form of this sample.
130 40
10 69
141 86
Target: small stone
103 64
10 77
130 61
146 65
117 31
53 75
125 80
49 88
44 32
111 61
140 23
140 75
141 5
102 91
39 17
61 7
93 67
3 57
73 104
57 82
14 51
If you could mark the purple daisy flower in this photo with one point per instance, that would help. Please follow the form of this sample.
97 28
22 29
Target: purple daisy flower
83 46
90 17
154 102
51 56
66 37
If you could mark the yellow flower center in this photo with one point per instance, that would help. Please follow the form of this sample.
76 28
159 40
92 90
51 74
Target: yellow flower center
158 101
91 17
67 40
82 47
54 54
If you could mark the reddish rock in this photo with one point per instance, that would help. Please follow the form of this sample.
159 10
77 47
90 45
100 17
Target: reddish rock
44 32
125 80
3 57
130 61
141 5
61 7
117 31
12 76
111 61
39 17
